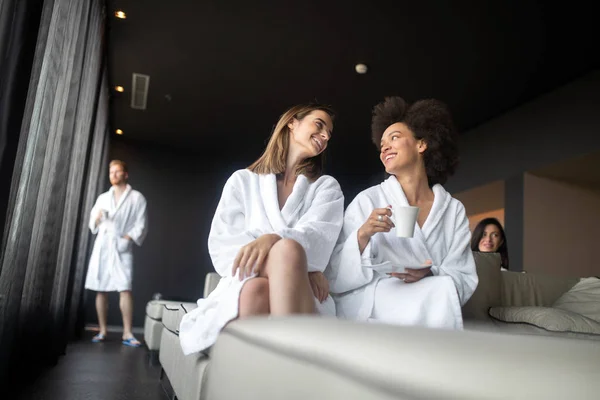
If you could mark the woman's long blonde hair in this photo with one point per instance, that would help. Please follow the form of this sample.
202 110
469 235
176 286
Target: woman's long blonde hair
273 160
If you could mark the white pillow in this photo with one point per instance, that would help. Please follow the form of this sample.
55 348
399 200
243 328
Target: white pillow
583 298
551 319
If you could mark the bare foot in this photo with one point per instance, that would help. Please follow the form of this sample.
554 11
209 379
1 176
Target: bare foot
100 337
131 341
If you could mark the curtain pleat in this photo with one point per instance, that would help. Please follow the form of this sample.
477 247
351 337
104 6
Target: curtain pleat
19 217
64 129
97 164
19 22
84 126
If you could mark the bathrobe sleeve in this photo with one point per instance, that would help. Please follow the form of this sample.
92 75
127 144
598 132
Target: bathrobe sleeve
93 227
228 233
346 270
459 263
140 226
318 229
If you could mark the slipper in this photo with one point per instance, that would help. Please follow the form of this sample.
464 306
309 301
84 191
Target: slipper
99 338
131 342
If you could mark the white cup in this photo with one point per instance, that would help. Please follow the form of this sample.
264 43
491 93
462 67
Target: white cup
404 218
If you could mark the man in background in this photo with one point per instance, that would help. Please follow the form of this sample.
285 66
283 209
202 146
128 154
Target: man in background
119 219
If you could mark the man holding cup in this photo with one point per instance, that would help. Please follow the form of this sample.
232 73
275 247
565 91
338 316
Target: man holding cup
404 256
119 219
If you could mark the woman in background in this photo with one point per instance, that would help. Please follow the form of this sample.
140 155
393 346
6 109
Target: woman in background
488 237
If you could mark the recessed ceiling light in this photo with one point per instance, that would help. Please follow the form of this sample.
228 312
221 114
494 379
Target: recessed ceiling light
120 89
120 14
119 132
361 68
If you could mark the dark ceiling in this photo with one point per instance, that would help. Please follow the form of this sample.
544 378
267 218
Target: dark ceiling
223 71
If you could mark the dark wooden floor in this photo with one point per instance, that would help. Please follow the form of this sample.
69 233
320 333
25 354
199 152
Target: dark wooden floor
103 371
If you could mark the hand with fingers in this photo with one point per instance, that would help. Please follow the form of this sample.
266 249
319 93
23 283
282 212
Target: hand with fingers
251 258
100 216
319 285
414 275
378 221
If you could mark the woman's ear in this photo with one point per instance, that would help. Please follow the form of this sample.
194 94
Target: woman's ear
292 124
422 146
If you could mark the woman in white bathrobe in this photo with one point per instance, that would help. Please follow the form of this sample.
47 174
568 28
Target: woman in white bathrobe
273 232
418 149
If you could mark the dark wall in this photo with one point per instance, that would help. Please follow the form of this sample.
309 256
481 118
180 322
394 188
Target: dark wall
559 125
182 192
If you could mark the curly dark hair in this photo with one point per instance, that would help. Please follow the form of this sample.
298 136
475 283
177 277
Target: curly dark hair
429 120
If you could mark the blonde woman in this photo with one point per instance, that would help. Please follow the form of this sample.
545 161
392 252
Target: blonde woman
273 232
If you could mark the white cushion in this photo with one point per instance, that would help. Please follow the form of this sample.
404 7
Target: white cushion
154 308
186 373
152 333
173 314
583 299
551 319
311 357
210 283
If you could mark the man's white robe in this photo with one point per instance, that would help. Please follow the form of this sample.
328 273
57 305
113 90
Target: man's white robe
249 208
363 294
111 263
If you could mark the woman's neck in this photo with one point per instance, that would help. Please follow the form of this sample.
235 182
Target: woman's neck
293 161
415 187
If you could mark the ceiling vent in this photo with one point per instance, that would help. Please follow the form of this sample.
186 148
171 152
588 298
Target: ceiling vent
139 91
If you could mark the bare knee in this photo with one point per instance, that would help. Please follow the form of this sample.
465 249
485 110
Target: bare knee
255 288
290 253
254 297
289 246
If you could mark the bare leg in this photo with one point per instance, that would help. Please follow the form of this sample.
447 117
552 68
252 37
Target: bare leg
254 298
289 287
102 310
126 304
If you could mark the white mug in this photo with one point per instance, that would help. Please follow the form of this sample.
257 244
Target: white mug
404 218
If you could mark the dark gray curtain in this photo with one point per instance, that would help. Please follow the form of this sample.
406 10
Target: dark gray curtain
54 164
75 211
95 177
19 22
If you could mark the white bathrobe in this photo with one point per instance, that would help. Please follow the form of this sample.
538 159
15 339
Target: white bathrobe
111 263
249 208
366 295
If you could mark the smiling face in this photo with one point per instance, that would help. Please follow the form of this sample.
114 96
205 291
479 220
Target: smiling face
491 239
310 135
399 148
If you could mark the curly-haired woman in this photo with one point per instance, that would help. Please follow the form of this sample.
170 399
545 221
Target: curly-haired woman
417 144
